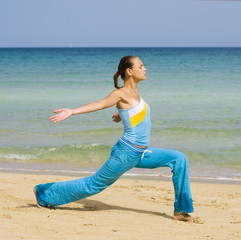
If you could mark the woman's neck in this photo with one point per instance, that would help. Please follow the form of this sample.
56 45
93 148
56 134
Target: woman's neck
131 84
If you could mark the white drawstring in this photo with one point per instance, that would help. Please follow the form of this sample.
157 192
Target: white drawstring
145 152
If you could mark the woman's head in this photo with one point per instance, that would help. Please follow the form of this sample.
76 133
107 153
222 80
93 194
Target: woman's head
126 62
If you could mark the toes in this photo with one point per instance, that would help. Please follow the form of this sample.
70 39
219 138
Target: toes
183 217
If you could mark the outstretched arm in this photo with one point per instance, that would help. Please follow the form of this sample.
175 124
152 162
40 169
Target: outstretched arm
112 99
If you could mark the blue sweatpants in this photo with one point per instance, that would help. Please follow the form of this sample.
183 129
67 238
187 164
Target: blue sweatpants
124 156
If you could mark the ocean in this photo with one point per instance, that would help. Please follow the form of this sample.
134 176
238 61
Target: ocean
194 95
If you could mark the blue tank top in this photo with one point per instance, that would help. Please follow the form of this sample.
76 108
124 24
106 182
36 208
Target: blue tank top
137 123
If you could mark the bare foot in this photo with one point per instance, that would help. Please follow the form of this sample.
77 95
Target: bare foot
38 205
183 217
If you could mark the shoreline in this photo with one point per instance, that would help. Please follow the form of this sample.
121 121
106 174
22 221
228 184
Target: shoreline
139 176
130 208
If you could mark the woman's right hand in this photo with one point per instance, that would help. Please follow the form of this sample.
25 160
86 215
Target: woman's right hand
63 114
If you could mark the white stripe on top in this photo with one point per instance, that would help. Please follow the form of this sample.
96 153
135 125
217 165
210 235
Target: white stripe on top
137 109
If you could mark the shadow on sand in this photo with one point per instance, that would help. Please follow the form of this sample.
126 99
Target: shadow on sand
94 205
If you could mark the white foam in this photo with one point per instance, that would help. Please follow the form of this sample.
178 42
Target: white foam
52 149
17 156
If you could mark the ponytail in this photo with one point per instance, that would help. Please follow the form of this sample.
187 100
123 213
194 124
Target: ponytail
115 77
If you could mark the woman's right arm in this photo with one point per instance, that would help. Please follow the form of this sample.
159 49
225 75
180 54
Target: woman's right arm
112 99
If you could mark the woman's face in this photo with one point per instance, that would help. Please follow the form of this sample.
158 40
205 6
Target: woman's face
138 70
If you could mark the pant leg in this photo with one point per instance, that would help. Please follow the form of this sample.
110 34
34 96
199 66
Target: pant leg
121 160
177 161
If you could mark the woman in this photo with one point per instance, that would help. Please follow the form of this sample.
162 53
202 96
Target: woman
130 151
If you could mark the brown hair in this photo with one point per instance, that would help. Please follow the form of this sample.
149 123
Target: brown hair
125 62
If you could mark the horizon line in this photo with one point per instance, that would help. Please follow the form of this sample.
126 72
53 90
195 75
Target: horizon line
133 47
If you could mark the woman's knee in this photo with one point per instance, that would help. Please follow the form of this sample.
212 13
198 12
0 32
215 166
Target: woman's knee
181 158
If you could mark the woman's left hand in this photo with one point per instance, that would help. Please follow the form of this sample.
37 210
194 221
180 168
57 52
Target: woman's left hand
116 118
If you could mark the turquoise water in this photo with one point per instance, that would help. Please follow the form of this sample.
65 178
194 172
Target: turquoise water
194 95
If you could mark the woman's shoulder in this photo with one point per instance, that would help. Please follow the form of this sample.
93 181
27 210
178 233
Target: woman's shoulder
127 99
122 93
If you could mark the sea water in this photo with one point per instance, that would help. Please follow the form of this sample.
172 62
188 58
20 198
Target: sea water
194 95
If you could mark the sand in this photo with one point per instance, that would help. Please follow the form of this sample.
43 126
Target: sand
129 209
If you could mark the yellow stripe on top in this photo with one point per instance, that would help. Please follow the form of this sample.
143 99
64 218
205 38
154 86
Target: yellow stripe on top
140 111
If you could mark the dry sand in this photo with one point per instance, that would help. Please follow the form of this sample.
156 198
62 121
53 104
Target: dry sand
129 209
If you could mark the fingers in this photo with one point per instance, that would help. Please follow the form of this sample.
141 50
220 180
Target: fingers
61 116
115 116
116 119
59 110
55 119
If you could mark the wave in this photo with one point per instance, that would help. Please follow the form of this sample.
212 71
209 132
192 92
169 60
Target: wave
84 154
93 154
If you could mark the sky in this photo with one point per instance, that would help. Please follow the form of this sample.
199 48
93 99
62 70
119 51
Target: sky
120 23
